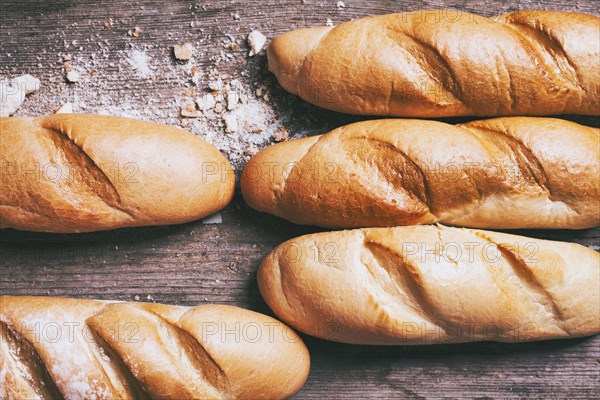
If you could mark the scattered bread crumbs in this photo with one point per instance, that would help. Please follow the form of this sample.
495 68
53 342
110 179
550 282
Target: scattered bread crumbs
232 102
183 52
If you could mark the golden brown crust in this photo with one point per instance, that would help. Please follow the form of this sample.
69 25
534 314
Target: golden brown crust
77 173
446 63
81 349
511 172
432 284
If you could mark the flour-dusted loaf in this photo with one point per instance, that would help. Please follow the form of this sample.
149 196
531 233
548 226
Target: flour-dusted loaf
435 63
77 173
432 284
510 172
59 348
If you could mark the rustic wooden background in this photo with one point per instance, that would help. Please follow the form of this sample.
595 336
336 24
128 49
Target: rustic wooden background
196 263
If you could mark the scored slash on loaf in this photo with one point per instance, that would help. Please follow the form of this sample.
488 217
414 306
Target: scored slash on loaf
503 173
436 63
79 173
432 284
54 348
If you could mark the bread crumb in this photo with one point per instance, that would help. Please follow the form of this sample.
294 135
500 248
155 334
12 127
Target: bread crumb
71 73
231 123
135 32
329 22
66 108
27 83
183 52
206 102
340 4
13 92
196 74
280 135
256 41
215 218
232 100
189 111
73 76
216 85
251 150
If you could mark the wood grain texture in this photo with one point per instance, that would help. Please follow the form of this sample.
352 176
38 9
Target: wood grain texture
196 263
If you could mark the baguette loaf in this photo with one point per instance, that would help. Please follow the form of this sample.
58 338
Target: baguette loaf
446 63
511 172
78 173
432 284
59 348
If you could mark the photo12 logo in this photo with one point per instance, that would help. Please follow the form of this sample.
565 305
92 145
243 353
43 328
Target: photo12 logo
468 252
66 173
72 331
273 171
215 170
247 332
318 252
443 14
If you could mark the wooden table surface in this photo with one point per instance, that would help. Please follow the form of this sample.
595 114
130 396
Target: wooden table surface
197 263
